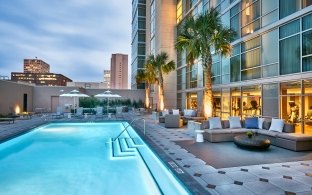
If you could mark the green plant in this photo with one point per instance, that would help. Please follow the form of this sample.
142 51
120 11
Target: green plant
249 134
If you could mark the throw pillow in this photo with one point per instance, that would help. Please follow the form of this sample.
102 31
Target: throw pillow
235 122
260 123
277 125
165 112
188 112
251 123
194 113
175 111
215 123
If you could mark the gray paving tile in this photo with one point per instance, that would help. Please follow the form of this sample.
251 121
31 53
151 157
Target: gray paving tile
305 193
217 179
194 161
263 188
307 180
289 185
286 171
233 189
203 169
242 176
303 168
263 173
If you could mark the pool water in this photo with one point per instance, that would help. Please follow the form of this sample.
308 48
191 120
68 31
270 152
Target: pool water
80 158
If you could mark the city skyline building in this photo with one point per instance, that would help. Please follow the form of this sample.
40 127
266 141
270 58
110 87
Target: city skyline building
36 66
44 79
107 78
119 71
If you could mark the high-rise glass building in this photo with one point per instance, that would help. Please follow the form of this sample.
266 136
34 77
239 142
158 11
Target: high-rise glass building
138 42
269 71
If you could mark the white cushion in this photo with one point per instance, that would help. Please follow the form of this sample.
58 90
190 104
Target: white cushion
235 122
277 125
188 112
175 111
215 123
165 112
260 123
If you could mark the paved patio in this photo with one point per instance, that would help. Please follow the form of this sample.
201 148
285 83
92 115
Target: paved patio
276 178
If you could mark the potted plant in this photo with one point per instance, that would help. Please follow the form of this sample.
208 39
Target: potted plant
249 134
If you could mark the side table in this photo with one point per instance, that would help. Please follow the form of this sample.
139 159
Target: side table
199 135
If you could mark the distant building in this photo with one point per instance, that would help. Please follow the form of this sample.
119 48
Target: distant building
88 85
36 66
107 78
48 79
119 71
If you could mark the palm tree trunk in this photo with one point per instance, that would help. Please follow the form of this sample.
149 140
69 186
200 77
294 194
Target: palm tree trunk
147 90
208 98
161 91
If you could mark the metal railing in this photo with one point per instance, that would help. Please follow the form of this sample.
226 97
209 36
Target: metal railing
128 126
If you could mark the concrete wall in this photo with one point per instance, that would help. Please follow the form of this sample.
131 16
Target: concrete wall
39 98
165 30
12 95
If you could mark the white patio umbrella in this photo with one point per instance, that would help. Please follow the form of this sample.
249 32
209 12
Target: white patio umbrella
107 94
74 93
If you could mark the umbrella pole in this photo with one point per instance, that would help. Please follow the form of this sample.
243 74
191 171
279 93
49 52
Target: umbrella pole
74 104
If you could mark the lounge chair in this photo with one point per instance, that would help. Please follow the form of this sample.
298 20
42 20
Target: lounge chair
99 112
9 120
173 121
79 112
119 112
59 113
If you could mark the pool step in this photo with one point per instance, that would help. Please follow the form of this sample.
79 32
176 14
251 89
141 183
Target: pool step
133 142
120 149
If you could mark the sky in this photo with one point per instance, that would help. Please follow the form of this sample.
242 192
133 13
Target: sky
76 37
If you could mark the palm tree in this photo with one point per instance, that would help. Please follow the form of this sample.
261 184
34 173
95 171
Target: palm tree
201 36
162 66
147 75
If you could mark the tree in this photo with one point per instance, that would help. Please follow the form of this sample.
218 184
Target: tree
200 37
161 66
148 75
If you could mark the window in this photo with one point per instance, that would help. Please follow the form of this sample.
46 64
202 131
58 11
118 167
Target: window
250 59
306 3
290 55
270 100
290 103
251 97
236 101
287 7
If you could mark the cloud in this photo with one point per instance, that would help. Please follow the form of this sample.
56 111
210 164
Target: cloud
76 37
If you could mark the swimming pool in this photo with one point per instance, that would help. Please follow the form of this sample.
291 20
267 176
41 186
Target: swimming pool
80 158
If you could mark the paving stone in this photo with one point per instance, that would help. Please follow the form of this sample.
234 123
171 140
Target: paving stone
263 173
303 168
307 180
194 161
233 189
217 179
203 169
263 188
242 176
289 185
286 171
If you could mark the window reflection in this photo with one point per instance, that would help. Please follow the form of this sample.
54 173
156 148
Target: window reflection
251 101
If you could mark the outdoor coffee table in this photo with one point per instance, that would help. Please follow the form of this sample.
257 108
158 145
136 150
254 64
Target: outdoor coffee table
254 142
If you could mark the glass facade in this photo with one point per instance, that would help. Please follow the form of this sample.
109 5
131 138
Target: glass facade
138 43
257 79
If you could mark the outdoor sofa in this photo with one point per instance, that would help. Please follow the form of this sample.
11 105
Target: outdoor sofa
285 139
186 115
